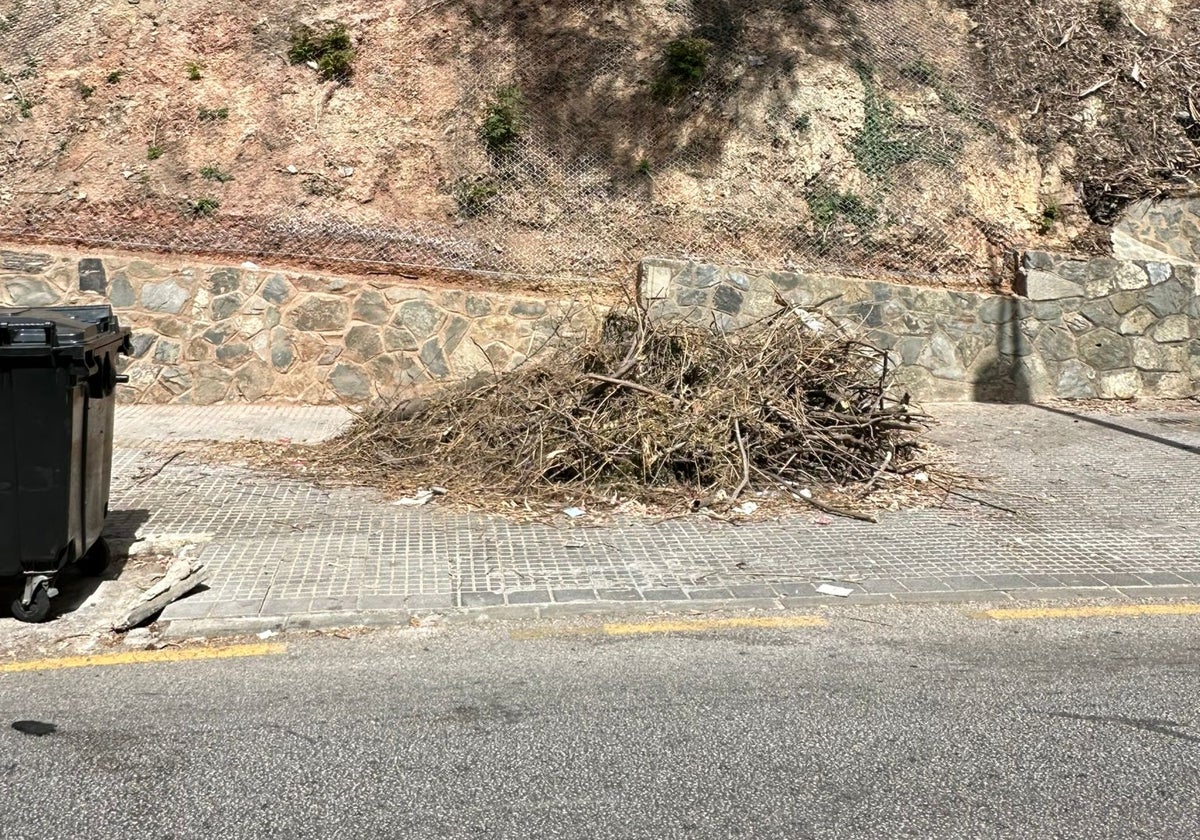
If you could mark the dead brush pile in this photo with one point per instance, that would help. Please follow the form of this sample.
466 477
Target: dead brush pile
666 415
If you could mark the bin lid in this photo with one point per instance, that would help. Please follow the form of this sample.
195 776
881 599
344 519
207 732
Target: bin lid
33 329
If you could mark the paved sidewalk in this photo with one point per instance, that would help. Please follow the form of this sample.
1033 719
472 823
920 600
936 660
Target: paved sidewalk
1082 503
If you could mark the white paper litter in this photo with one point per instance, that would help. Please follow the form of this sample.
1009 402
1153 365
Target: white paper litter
417 499
839 591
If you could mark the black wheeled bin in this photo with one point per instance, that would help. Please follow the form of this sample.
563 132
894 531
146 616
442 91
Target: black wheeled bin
58 377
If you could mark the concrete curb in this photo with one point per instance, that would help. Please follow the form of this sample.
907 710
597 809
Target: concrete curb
348 619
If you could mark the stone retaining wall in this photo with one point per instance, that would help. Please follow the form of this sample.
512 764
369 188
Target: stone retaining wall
1082 329
205 333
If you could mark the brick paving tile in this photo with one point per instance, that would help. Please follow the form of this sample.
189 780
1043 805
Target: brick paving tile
618 595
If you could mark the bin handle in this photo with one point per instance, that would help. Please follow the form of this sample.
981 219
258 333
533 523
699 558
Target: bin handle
122 379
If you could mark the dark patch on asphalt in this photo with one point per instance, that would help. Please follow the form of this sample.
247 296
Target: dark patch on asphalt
1160 727
299 735
37 728
480 717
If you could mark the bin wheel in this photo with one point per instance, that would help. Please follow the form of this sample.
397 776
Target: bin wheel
37 610
96 560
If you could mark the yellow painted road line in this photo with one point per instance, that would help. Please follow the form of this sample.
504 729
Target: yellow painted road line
701 625
1104 611
136 657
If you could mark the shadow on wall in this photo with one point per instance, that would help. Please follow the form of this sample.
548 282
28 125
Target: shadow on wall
1004 378
593 92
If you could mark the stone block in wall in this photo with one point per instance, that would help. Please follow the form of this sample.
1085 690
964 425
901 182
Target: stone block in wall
1075 381
25 262
320 313
690 298
1137 321
1170 386
1000 309
1103 349
1043 285
283 352
940 357
121 293
253 380
168 352
233 353
277 290
29 291
1149 355
456 330
211 385
1169 298
399 338
167 325
1056 344
528 309
92 276
146 270
655 283
226 306
363 342
349 383
1119 384
728 299
1173 328
970 347
1129 276
372 307
421 318
167 296
222 281
433 358
142 342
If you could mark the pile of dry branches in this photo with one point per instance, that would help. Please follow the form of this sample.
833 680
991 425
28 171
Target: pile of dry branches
659 414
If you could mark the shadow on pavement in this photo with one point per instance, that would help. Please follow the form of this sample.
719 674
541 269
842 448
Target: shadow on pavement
1117 427
74 589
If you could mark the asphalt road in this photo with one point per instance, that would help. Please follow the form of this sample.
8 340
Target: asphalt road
885 723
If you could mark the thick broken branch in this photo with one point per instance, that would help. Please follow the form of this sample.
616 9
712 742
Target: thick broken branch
181 578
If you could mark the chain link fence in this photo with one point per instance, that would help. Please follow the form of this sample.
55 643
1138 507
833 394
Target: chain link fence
561 139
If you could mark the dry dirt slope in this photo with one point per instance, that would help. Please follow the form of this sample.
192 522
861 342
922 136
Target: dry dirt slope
849 132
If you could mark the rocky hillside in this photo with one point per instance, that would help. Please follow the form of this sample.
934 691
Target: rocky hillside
570 138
